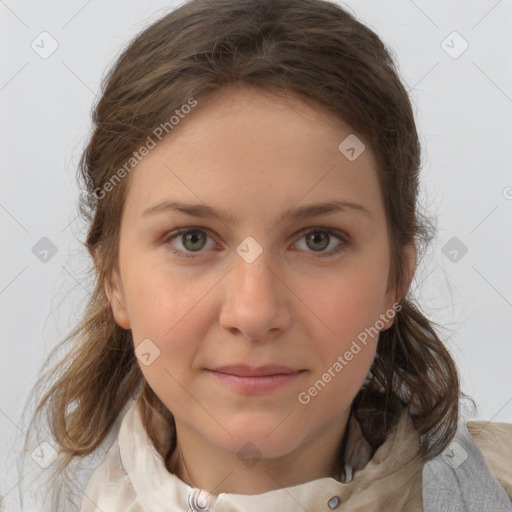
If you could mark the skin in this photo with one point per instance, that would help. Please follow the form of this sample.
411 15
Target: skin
254 155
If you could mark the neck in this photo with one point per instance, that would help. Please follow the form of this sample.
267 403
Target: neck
205 466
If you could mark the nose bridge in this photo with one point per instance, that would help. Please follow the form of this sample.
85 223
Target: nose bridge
254 301
253 271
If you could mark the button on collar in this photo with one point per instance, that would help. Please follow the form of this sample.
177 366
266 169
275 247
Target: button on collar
334 502
200 501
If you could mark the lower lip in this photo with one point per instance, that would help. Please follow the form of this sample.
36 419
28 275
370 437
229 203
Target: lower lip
255 384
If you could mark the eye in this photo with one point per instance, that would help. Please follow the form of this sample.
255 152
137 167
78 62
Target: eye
185 242
319 238
191 239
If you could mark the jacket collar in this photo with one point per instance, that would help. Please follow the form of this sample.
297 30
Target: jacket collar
366 471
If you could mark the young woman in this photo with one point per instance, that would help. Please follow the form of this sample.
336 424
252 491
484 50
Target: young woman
251 343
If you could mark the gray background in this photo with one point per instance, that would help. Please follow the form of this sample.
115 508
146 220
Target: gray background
463 107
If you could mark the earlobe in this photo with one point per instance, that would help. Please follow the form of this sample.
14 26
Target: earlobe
116 297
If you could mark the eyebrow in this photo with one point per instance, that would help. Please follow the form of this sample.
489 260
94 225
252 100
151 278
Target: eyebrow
302 212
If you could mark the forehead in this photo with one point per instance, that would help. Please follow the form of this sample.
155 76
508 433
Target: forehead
248 147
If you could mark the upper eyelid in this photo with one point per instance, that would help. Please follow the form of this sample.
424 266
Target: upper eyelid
343 236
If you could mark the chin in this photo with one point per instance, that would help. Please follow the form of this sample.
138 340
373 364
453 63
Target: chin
256 444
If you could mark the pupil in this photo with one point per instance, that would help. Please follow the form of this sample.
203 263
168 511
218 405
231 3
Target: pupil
192 237
317 238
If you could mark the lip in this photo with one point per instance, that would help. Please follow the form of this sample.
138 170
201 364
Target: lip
251 380
243 370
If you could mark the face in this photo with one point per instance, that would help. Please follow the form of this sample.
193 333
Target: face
256 282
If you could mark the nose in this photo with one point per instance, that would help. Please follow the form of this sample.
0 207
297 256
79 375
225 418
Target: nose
256 300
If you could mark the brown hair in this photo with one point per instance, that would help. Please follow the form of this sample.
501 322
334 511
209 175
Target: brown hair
316 51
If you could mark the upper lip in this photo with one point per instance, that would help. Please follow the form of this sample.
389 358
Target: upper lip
248 371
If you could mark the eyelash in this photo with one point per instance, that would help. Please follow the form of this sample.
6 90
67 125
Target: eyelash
333 252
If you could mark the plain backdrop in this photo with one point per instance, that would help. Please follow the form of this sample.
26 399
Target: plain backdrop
462 99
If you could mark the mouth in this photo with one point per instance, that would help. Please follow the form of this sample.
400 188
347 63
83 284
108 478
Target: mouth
250 380
260 371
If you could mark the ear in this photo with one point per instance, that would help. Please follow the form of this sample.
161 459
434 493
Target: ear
96 257
117 298
113 290
411 254
394 296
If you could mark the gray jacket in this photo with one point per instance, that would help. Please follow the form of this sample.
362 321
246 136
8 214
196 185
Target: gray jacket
459 480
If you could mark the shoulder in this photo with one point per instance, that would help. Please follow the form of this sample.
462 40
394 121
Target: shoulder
494 440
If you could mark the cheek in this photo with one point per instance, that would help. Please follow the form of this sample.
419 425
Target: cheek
346 339
176 338
345 342
348 303
175 321
162 309
158 297
333 389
